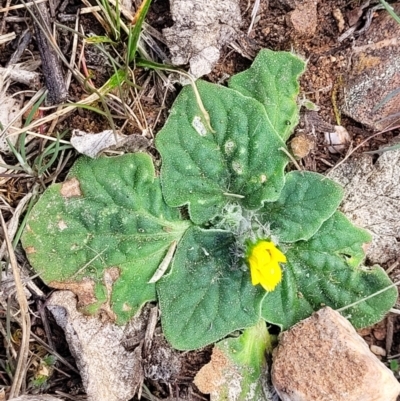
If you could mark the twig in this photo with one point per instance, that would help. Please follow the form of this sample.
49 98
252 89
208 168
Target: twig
51 65
29 78
23 43
25 318
389 334
69 73
52 9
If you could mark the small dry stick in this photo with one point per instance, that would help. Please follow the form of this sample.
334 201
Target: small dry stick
293 160
389 334
18 6
23 43
52 69
29 78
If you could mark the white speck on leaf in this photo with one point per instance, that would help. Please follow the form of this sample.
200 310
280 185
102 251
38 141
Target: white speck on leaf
237 167
198 125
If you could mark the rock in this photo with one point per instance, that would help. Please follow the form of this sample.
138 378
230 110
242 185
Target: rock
370 89
303 19
109 372
379 351
380 333
201 28
322 358
337 14
114 360
372 200
337 139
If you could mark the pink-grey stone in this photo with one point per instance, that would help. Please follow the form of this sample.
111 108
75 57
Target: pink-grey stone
322 358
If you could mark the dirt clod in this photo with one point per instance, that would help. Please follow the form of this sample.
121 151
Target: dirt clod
304 19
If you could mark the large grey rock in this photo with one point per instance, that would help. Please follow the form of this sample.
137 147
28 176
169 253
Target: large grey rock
371 89
201 28
372 200
322 358
114 360
109 371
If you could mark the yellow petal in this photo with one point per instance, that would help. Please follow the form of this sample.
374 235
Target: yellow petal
271 277
263 259
255 275
277 255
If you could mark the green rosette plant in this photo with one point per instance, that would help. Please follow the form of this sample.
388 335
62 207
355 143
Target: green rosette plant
257 242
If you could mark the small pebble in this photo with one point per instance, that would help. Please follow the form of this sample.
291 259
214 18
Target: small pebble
378 350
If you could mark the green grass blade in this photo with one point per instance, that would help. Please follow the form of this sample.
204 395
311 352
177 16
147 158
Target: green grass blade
390 10
134 33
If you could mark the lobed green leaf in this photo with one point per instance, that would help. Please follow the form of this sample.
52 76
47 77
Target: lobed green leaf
306 201
206 296
205 170
272 79
108 217
324 271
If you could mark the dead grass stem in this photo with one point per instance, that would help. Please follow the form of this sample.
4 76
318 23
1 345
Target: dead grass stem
20 371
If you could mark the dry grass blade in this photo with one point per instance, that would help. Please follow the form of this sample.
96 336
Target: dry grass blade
68 109
13 223
16 7
27 106
19 374
7 37
369 297
3 22
254 12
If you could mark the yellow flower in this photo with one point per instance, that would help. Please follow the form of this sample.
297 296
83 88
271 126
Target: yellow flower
263 259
